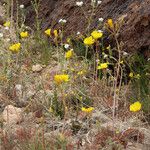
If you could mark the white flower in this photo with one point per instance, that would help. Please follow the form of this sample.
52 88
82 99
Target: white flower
125 53
8 39
21 6
62 21
79 3
99 2
1 35
66 46
97 60
6 28
105 56
100 31
100 19
93 1
78 33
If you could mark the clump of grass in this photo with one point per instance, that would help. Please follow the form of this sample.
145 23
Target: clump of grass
140 80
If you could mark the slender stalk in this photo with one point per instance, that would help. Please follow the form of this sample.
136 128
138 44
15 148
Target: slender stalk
86 53
97 58
115 102
64 103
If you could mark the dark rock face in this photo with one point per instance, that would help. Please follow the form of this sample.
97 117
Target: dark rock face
135 33
1 21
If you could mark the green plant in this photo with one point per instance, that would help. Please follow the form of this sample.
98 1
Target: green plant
140 81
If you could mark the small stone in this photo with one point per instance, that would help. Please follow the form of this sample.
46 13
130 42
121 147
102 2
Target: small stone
37 68
18 87
12 115
1 35
30 94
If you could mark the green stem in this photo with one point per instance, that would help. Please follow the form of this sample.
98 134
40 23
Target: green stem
86 53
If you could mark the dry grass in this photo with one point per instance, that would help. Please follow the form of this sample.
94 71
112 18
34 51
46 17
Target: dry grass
53 117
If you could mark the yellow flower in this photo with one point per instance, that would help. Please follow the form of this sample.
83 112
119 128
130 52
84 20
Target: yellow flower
108 47
15 47
24 34
61 78
87 110
68 40
121 62
3 78
103 66
76 64
135 106
6 24
89 40
55 33
62 137
131 74
138 76
81 72
110 23
69 54
48 32
72 69
50 110
96 34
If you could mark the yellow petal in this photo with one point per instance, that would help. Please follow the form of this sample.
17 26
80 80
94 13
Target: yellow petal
110 23
96 34
24 34
103 66
69 54
6 24
89 40
55 33
135 106
48 32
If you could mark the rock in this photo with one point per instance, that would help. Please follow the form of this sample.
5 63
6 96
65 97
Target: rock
12 115
37 68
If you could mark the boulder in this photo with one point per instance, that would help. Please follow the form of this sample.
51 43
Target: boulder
12 115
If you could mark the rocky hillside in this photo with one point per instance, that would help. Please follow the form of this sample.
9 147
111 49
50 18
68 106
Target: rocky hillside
135 33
